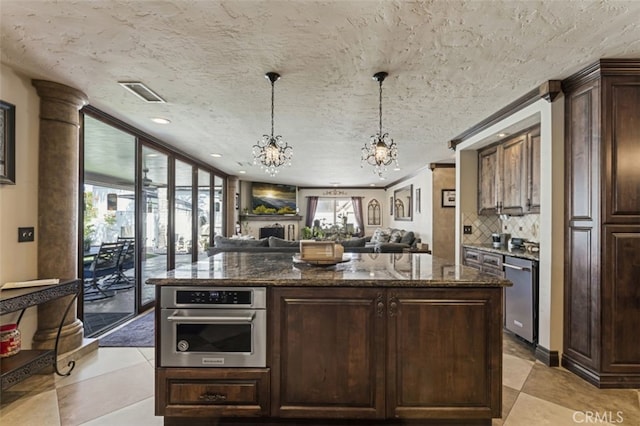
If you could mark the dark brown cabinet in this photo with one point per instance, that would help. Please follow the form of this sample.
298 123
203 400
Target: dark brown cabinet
509 175
212 392
379 353
328 352
602 208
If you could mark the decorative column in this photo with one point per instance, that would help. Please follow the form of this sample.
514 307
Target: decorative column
58 209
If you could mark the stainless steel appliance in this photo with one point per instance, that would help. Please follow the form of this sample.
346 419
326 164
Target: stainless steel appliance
516 243
213 327
521 300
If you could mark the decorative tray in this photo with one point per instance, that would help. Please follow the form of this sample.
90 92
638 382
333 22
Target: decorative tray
320 262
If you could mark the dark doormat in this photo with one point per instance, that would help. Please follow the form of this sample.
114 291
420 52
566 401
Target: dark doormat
139 333
96 323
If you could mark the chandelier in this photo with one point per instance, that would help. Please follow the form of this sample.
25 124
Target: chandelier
381 150
271 151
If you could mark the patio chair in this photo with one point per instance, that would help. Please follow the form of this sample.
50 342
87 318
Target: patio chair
119 280
103 265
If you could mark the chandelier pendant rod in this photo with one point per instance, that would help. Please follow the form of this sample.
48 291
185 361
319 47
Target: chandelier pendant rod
380 105
272 95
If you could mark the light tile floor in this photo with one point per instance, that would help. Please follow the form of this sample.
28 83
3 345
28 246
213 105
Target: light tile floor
114 386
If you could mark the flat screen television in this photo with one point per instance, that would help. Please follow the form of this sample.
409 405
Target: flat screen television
271 198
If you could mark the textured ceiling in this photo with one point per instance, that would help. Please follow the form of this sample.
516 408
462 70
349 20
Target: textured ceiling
450 64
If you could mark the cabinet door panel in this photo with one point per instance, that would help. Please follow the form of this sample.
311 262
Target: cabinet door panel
328 353
621 299
488 179
622 134
513 173
431 335
533 165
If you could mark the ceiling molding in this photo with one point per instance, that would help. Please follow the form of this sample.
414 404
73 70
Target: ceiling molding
434 166
609 67
549 90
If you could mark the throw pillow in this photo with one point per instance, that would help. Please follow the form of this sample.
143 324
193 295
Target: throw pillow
408 238
395 236
381 235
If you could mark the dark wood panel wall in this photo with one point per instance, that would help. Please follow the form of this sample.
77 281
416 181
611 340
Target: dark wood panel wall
602 212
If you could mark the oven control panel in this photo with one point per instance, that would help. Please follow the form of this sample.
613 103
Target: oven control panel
213 297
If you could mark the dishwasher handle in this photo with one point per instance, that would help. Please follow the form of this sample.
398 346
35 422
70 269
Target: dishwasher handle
517 268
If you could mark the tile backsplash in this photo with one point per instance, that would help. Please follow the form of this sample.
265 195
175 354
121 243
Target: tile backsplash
526 226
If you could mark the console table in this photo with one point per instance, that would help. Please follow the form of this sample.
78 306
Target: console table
27 362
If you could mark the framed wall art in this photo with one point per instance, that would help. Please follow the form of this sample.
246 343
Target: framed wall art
7 143
448 198
403 203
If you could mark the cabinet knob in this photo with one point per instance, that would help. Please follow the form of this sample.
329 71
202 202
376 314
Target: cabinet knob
393 306
379 305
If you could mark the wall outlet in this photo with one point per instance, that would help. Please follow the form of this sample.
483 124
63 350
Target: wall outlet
26 234
466 229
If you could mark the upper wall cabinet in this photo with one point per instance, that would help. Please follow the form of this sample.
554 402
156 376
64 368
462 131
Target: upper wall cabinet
533 171
509 176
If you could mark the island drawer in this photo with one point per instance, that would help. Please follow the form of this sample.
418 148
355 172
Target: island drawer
197 392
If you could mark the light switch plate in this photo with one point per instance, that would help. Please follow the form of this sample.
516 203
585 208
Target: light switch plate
26 234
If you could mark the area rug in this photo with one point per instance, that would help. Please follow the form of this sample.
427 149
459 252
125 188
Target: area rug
139 333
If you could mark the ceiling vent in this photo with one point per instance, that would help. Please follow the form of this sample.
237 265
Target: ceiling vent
142 91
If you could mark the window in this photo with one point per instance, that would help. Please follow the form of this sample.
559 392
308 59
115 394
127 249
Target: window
336 215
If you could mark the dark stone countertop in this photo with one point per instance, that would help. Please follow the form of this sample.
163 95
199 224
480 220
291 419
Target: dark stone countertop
361 270
504 251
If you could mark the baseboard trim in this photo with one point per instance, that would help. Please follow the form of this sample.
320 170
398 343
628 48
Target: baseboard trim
547 357
602 380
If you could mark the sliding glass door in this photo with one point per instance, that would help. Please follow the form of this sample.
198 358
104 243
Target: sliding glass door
108 267
154 226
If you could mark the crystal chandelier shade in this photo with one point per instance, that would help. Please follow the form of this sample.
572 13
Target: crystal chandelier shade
381 150
272 152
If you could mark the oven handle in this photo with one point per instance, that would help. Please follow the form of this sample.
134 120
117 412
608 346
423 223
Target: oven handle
213 319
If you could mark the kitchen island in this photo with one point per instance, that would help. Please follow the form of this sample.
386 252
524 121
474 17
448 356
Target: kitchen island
385 338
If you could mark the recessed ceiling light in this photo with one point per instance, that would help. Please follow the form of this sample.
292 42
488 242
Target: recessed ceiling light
160 120
383 178
372 184
242 172
216 155
397 169
502 135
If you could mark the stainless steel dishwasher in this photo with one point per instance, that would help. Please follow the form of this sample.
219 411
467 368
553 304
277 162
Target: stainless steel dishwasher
521 300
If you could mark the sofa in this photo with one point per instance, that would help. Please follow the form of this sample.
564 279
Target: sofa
391 240
277 245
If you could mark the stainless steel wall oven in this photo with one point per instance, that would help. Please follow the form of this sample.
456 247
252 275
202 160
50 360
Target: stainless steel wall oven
213 327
